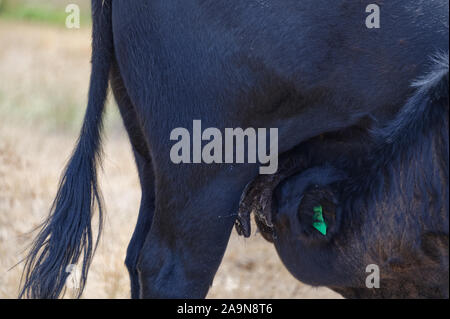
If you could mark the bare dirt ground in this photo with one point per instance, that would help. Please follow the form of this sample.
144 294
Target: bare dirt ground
43 86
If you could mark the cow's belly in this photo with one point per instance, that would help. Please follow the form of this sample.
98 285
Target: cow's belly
306 67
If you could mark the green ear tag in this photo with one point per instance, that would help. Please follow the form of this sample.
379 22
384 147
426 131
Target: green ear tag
318 221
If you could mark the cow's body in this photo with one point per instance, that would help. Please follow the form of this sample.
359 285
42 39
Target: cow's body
304 67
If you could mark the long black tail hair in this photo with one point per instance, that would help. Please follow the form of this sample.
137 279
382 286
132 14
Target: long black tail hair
66 235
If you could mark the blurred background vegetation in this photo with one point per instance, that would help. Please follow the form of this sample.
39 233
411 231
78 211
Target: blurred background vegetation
44 66
48 11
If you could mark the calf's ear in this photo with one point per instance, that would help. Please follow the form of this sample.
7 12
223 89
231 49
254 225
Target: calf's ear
308 206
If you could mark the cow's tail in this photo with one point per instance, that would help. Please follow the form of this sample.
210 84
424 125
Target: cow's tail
66 238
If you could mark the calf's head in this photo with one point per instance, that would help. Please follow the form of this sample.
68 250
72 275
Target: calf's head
376 227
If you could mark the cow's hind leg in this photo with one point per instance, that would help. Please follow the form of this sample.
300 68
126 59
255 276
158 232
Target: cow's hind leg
143 224
146 177
190 232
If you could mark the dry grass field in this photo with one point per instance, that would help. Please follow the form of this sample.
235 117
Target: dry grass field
44 71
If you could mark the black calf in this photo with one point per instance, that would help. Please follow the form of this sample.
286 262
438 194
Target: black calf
387 205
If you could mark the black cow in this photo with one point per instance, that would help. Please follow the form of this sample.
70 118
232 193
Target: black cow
305 67
383 196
